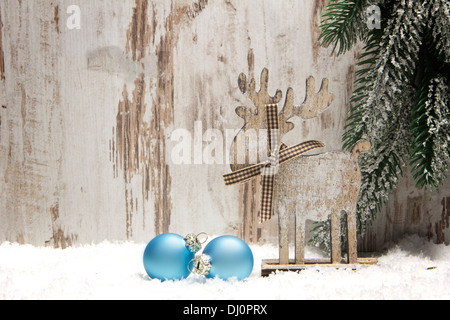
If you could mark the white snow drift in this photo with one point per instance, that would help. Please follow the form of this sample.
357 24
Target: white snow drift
411 269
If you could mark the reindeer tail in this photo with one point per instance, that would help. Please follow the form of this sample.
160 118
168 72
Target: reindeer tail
359 147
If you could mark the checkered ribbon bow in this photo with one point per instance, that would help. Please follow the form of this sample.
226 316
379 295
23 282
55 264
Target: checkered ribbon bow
269 168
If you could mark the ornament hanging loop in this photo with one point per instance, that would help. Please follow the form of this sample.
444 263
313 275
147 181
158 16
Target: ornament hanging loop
202 234
201 265
193 242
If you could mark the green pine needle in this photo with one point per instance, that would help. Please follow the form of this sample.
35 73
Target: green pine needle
339 25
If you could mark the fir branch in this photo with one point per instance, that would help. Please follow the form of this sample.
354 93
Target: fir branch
382 168
386 108
382 106
385 69
356 126
429 129
341 26
440 10
382 102
430 133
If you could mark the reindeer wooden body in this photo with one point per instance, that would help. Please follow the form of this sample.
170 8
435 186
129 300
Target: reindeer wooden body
315 187
319 187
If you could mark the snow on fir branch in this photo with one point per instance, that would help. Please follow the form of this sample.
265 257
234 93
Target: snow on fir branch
400 99
440 9
431 154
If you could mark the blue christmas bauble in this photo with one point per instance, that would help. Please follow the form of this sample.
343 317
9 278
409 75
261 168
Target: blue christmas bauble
167 257
229 257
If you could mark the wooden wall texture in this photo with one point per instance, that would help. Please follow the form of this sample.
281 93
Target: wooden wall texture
89 109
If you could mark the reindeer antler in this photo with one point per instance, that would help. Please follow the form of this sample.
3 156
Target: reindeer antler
315 103
259 99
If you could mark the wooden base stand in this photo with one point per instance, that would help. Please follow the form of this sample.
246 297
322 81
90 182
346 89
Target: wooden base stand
270 266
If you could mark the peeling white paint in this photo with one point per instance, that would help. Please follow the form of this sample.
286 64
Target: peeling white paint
58 185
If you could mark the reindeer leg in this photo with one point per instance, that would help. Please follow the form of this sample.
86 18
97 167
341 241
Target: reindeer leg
299 238
335 237
283 224
351 233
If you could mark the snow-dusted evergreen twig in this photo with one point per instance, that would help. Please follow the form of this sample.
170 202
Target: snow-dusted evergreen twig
343 24
384 107
431 153
382 168
440 10
401 96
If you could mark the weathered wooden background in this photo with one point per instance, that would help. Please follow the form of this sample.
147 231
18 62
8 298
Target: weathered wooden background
87 116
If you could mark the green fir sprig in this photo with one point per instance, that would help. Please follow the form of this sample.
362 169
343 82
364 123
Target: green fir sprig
400 101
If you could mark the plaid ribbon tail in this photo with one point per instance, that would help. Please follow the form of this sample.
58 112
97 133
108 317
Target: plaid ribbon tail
243 175
267 198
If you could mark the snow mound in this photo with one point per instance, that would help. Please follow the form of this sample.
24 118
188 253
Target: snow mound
411 269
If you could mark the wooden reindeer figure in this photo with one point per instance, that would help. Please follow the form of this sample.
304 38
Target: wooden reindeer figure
315 187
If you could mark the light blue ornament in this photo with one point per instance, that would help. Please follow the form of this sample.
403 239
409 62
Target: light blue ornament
225 257
167 256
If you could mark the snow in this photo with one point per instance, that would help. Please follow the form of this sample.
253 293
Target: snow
411 269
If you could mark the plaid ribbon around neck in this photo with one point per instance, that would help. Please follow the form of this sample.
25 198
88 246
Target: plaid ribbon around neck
269 168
